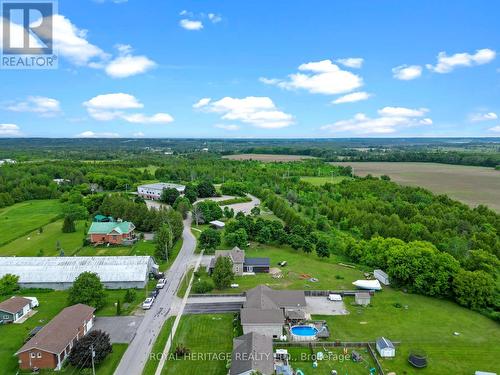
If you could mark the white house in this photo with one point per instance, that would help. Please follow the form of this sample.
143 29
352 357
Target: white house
385 348
154 191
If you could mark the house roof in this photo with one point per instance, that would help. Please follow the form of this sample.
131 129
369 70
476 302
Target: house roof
362 295
14 304
257 262
67 269
383 343
264 297
109 227
252 352
57 334
218 223
261 316
162 186
236 254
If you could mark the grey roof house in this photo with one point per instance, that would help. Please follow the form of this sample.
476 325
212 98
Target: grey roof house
14 309
265 311
241 264
251 353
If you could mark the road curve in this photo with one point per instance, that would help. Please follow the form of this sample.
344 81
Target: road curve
137 353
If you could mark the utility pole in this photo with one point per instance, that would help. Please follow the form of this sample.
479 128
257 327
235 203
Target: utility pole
92 353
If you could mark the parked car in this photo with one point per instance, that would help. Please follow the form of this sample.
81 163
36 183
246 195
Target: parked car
154 293
161 283
148 303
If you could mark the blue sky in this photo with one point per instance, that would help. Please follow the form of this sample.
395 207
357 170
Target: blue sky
263 69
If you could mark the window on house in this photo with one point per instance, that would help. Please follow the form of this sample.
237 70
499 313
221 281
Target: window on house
32 355
39 355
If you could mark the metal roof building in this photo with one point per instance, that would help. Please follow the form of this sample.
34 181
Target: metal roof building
116 272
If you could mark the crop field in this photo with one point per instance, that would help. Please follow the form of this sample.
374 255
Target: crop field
23 218
470 185
268 157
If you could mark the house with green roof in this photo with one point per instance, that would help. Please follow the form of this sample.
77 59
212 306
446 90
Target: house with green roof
115 233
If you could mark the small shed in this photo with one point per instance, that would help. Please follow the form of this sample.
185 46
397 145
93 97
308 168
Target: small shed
381 276
362 298
217 224
385 348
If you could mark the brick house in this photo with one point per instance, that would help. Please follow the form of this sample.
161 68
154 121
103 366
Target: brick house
116 233
14 308
52 344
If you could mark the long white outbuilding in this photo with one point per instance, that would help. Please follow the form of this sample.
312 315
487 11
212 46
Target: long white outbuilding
115 272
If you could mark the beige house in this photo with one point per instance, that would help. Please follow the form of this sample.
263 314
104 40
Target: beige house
241 264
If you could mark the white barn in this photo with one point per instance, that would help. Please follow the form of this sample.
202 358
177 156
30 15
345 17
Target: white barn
59 273
385 348
154 191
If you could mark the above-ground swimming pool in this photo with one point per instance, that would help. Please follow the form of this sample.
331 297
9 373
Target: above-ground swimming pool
303 333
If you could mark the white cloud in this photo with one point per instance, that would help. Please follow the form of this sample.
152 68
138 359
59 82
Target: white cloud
320 77
389 121
10 130
139 118
351 98
256 111
138 134
478 117
202 102
214 18
446 64
91 134
407 72
495 129
229 127
43 106
109 107
72 43
402 112
351 62
191 25
126 65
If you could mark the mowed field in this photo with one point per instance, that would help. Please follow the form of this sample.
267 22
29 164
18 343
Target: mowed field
267 157
22 218
468 184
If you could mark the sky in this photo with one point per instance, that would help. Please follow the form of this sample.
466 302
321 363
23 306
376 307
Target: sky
263 69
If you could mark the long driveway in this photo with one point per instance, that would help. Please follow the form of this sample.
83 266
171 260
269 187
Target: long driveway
244 207
137 353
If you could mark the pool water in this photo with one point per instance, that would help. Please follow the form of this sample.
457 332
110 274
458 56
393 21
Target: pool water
304 331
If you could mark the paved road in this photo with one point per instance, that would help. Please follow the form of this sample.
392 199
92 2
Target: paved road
244 207
137 353
121 329
213 308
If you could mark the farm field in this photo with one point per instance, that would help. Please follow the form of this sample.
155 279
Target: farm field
23 218
45 243
470 185
426 323
210 336
318 181
268 157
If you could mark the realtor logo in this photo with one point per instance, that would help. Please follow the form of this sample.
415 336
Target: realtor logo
27 35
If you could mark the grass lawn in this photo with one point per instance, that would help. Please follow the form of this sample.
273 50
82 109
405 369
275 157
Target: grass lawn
207 336
109 365
301 359
158 347
318 181
23 218
112 296
33 243
427 324
184 283
295 273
